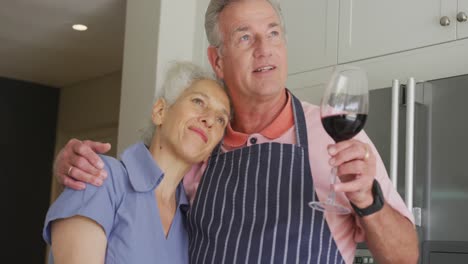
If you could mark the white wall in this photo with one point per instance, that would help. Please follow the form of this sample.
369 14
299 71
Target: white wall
90 104
156 32
89 110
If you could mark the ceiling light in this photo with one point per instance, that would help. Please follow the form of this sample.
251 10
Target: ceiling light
79 27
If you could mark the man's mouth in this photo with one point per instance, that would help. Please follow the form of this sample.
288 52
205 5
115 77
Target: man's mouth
264 69
200 132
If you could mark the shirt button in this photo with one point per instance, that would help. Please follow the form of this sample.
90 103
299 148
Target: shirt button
253 140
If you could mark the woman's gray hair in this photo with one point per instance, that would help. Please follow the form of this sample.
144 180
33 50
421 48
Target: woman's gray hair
215 7
179 76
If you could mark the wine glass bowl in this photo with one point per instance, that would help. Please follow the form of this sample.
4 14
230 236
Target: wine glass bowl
343 112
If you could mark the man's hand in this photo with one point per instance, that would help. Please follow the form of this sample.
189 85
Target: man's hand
78 163
356 168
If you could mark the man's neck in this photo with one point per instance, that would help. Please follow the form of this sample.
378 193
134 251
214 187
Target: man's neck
254 116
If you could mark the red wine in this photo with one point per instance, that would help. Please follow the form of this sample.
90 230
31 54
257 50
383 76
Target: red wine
343 127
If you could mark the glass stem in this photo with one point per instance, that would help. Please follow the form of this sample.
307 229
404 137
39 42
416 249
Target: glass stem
331 194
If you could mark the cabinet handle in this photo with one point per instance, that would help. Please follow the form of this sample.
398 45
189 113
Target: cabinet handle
461 17
444 21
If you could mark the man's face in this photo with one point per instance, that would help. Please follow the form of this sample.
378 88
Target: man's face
253 59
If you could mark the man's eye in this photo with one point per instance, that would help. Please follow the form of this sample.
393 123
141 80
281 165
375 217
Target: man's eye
274 34
197 101
245 38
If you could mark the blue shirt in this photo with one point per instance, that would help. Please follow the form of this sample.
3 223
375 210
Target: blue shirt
126 208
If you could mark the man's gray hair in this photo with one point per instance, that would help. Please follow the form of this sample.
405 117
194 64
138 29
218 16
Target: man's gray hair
179 76
215 7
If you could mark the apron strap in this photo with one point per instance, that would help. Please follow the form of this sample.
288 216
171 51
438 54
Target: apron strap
300 123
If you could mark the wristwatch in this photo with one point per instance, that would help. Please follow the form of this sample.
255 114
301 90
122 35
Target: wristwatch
375 206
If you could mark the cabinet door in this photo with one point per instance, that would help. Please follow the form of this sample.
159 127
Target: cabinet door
370 28
309 86
462 27
312 33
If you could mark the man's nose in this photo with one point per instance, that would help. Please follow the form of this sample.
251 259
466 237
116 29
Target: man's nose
262 47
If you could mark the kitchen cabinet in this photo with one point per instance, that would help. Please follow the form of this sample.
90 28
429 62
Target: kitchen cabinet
462 19
312 33
370 28
324 33
427 63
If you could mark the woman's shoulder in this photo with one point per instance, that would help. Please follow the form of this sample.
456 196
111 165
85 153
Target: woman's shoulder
117 174
112 164
99 203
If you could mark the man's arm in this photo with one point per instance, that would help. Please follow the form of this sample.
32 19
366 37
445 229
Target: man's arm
391 237
78 240
78 163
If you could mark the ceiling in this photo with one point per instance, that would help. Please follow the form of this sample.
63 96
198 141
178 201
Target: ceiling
38 44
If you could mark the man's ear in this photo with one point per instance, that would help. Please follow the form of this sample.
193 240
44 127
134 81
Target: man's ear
216 61
159 111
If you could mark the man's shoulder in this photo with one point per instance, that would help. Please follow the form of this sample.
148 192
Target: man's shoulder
306 104
310 110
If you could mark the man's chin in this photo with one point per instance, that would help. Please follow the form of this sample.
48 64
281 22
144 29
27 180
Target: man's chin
269 89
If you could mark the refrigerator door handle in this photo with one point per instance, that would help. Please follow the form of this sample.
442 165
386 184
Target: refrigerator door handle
409 168
394 133
410 87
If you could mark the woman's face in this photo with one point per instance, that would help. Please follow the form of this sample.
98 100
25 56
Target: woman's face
195 123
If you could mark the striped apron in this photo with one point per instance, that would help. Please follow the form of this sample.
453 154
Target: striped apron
251 206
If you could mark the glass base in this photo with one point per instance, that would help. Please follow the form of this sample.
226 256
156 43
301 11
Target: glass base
330 208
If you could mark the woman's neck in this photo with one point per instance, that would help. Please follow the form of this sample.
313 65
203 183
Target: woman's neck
173 167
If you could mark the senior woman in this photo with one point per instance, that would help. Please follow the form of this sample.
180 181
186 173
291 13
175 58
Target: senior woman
139 214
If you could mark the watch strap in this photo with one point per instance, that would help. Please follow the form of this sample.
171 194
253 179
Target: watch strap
377 204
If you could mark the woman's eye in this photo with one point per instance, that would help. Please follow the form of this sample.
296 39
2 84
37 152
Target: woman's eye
198 101
221 120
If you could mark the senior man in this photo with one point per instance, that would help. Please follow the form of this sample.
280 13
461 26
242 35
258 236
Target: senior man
249 201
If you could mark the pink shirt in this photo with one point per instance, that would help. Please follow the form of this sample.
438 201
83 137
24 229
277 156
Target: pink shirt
345 229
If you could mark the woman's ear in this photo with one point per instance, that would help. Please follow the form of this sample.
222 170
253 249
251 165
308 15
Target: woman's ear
159 111
216 61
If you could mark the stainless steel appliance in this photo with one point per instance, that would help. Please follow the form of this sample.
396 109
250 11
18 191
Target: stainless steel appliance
422 136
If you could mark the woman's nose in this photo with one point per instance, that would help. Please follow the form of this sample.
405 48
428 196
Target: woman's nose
208 118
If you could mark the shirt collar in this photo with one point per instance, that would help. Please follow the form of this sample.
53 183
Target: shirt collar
281 124
143 171
183 200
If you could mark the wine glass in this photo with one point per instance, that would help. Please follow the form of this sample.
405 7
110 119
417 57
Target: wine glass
343 111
